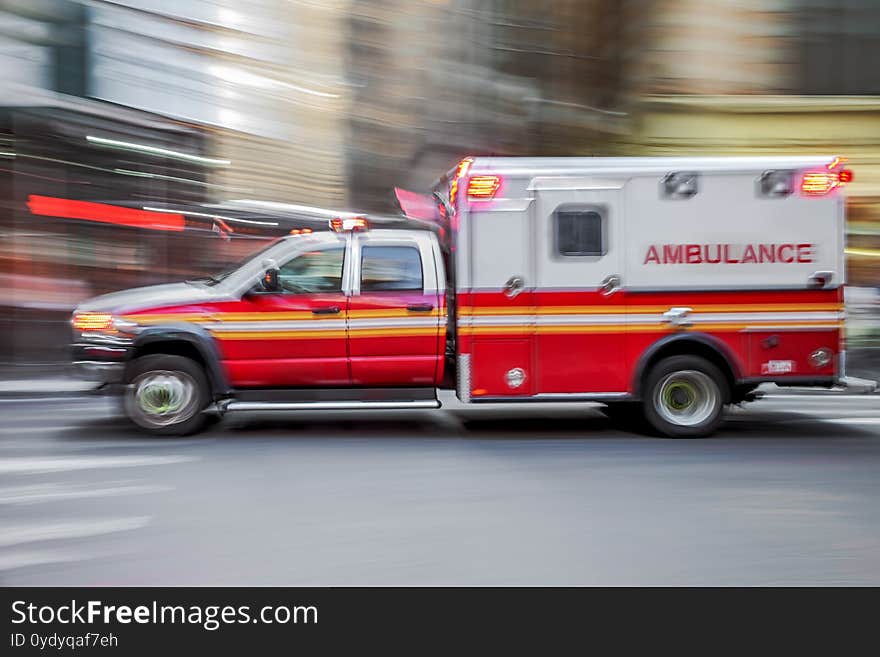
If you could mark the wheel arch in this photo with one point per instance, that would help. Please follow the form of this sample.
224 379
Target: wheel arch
189 341
691 344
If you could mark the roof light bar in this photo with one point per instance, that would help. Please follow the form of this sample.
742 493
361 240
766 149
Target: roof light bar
348 224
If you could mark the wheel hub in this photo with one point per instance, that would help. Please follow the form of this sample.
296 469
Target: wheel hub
686 398
163 397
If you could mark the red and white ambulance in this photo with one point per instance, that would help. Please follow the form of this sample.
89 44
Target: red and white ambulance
665 288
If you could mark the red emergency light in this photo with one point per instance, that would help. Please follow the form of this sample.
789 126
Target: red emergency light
820 183
460 172
483 187
353 224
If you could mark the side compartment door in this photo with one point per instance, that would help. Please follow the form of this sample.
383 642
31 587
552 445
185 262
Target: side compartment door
580 308
396 318
495 310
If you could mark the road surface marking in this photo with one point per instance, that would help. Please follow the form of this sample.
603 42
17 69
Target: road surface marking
59 492
42 465
12 560
853 420
16 535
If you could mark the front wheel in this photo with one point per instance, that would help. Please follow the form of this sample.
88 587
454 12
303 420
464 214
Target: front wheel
165 395
684 397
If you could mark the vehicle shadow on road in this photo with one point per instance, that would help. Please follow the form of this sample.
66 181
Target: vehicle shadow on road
492 426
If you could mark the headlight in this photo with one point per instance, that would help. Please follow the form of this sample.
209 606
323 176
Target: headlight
92 321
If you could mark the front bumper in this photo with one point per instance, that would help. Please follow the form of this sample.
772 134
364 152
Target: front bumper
100 371
102 361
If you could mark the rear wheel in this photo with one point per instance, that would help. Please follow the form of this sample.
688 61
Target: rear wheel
165 395
684 397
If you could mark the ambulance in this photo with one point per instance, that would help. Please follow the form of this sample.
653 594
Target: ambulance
663 288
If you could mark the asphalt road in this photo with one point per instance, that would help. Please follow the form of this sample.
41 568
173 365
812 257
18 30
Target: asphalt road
788 493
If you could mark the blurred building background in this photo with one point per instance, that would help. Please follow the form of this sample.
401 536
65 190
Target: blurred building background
187 107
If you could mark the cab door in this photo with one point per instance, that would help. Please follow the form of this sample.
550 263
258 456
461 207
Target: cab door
294 337
396 314
580 322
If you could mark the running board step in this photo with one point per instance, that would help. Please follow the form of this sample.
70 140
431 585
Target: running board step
349 405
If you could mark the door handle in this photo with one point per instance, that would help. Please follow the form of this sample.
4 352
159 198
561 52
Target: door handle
420 307
678 316
610 284
513 286
820 279
329 310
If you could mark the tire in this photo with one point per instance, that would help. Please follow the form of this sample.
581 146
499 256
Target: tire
165 395
684 397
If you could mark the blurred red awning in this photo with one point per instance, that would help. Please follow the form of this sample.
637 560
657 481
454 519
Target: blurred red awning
50 206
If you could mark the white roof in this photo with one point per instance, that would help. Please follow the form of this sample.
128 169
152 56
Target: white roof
553 166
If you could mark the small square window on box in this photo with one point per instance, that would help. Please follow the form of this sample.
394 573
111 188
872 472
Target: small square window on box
579 232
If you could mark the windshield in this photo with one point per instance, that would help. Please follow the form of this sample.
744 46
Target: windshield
217 278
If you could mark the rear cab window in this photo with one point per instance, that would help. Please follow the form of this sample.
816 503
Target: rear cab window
391 268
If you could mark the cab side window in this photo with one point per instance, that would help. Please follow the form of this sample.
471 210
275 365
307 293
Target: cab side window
312 272
390 268
579 232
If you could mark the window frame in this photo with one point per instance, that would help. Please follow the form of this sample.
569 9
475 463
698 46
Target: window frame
379 245
602 210
333 247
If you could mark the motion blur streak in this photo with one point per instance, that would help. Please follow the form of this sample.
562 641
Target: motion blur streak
104 213
155 141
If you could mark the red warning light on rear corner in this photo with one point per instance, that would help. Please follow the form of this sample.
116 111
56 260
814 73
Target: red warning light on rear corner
483 188
819 183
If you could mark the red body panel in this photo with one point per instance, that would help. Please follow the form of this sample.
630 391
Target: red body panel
580 342
277 340
391 343
503 347
574 357
565 342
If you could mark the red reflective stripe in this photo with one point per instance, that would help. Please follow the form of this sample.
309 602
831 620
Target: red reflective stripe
50 206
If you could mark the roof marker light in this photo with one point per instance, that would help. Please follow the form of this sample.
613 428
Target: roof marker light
483 187
340 224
